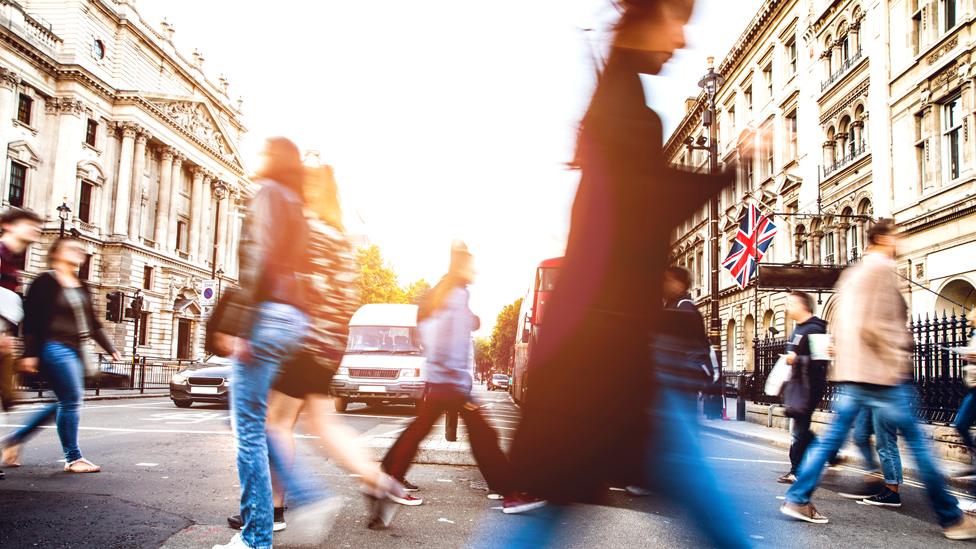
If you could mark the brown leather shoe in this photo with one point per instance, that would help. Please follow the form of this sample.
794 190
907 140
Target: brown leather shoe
805 512
965 528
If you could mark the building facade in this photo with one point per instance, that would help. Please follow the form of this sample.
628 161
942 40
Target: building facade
852 110
102 116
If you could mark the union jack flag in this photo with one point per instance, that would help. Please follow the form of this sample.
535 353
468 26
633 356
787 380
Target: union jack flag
755 234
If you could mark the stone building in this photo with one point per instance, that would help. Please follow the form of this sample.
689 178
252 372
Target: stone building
100 114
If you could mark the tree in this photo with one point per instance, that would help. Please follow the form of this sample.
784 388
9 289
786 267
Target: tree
502 345
482 356
377 279
417 291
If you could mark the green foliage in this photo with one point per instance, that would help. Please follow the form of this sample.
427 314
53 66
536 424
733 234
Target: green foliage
378 282
482 355
502 346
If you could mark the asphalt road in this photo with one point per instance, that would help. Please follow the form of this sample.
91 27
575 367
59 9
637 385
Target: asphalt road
169 479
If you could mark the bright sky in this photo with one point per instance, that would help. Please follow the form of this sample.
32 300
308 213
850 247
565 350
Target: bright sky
443 119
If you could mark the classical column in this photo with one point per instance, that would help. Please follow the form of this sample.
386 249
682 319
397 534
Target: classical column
828 154
858 135
164 196
123 178
135 191
70 133
205 227
230 206
815 248
841 253
8 94
220 191
176 184
196 219
855 38
826 60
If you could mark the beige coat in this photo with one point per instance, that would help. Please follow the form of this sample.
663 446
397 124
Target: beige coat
870 327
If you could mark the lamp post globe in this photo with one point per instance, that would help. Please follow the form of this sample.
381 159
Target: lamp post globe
63 213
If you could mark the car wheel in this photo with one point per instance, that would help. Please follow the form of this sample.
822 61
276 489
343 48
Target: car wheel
183 403
340 405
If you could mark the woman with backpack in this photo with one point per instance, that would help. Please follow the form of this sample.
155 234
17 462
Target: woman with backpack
331 298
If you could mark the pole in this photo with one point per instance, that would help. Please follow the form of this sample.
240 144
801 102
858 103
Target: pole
715 323
213 256
61 234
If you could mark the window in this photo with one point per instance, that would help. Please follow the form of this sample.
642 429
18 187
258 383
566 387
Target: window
951 130
181 239
18 182
791 134
700 268
768 79
25 107
791 56
853 232
827 248
801 243
144 328
85 202
147 277
920 150
84 273
731 123
747 96
916 30
91 132
949 8
845 47
769 152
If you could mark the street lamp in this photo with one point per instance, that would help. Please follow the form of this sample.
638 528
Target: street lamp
63 213
710 83
219 192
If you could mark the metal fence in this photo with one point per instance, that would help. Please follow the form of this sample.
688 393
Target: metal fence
937 372
142 374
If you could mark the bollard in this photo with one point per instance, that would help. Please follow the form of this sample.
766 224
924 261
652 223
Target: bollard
450 426
740 407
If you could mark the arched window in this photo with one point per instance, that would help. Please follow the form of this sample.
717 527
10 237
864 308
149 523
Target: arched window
827 255
853 236
845 137
831 146
845 43
829 55
748 336
956 298
769 321
860 127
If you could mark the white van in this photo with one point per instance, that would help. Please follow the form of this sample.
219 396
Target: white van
384 361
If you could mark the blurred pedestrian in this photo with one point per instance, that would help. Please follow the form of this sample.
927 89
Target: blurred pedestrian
263 327
59 322
808 382
446 322
18 229
873 365
306 378
607 304
966 416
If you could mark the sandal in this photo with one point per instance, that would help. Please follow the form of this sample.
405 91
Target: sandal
11 456
81 466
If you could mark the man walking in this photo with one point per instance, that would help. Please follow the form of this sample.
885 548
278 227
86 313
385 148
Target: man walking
873 363
808 382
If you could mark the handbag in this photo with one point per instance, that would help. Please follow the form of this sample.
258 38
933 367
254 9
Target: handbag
777 377
220 320
796 393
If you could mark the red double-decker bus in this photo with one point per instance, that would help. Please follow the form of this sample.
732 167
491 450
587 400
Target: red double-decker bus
531 318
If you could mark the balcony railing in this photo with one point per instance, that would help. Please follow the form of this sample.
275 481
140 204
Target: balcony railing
844 67
852 155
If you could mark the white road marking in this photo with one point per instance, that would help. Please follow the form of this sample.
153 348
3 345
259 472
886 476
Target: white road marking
444 480
146 464
750 460
442 519
183 418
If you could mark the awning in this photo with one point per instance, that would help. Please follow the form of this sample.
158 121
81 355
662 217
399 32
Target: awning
778 277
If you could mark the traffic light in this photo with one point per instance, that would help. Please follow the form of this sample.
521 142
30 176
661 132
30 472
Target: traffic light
113 309
135 308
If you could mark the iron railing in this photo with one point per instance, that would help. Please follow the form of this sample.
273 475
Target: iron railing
853 153
142 374
936 372
842 70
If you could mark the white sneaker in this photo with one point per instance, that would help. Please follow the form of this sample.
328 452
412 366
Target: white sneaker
310 524
236 542
637 491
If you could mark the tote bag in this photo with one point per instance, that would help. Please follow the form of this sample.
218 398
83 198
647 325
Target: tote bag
778 376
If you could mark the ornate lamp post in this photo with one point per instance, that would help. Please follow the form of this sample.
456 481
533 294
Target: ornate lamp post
219 192
64 212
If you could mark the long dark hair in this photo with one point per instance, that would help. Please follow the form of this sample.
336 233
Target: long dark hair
284 164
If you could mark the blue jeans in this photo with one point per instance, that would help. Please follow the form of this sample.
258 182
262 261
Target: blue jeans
894 405
675 465
965 418
863 429
277 333
61 367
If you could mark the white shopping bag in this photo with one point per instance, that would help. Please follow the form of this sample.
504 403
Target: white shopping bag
778 376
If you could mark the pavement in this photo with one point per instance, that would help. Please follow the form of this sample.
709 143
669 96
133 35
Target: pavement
36 397
170 480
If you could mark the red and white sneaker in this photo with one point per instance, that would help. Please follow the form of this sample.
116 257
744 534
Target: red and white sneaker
406 499
521 503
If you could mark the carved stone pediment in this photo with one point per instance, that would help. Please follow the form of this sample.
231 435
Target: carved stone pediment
195 119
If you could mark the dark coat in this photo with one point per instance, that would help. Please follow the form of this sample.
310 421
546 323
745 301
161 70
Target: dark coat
590 377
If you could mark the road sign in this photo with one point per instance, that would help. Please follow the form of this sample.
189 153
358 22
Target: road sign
208 295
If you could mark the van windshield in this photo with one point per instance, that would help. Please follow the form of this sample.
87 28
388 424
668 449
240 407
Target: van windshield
383 339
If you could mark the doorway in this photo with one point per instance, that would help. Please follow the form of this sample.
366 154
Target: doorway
184 339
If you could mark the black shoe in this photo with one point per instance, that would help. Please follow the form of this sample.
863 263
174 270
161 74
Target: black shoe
381 512
887 498
409 486
236 522
870 489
